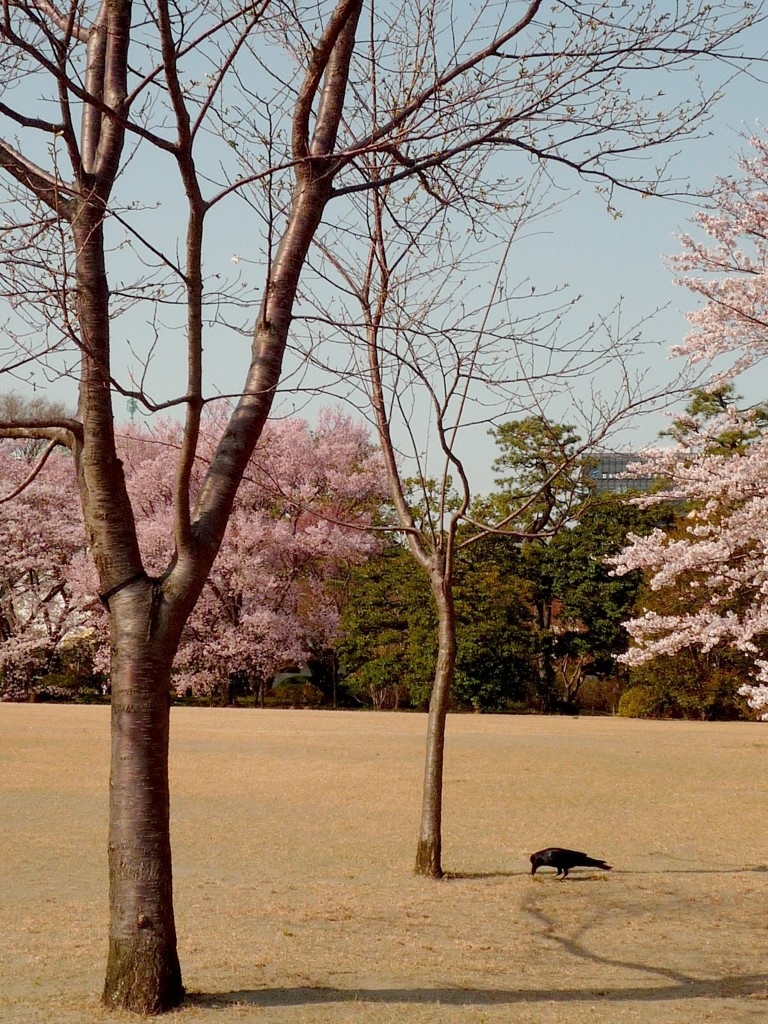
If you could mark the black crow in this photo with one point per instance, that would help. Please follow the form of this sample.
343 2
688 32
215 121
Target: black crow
564 860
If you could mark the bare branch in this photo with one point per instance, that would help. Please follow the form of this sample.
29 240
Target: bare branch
48 188
34 472
67 23
333 62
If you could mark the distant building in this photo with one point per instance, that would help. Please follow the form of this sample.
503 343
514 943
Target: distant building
607 474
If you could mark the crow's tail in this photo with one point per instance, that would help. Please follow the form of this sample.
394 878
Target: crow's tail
590 862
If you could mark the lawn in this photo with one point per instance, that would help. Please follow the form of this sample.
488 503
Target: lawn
294 834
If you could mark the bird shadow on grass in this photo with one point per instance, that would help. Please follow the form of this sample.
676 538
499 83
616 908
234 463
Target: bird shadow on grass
479 876
682 987
460 876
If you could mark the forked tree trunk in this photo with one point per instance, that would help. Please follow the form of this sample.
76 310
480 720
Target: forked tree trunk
429 847
143 972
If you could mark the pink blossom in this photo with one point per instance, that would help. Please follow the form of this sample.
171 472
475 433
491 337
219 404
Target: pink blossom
730 269
42 539
719 564
716 561
301 514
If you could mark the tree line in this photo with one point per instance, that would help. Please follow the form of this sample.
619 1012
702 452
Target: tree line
313 572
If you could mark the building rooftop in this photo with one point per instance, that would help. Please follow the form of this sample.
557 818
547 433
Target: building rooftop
607 475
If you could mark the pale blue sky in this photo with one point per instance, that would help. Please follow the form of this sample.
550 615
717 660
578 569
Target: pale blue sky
605 260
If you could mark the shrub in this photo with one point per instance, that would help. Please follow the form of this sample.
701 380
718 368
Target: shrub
692 685
600 696
378 684
294 692
639 702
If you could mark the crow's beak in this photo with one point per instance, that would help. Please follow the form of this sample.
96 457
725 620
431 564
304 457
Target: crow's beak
533 868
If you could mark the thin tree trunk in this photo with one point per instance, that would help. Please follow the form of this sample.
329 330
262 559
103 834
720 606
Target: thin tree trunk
429 847
545 672
143 972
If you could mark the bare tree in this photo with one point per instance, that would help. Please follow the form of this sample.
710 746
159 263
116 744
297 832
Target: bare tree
438 336
430 373
84 58
101 100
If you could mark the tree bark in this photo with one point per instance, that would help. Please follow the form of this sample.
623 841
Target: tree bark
429 847
143 973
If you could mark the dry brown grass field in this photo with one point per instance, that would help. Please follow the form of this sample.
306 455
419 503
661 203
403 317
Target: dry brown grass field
294 834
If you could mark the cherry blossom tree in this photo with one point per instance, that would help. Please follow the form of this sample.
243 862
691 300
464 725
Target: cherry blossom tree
42 531
301 516
303 511
716 563
720 464
725 263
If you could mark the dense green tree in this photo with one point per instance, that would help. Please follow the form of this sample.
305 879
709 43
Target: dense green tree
717 405
541 466
539 491
590 603
494 667
387 648
521 605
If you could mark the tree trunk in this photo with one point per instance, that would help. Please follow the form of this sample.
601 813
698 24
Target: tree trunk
143 972
429 848
545 673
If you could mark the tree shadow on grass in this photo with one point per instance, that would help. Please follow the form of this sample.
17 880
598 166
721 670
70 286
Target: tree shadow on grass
734 986
665 984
